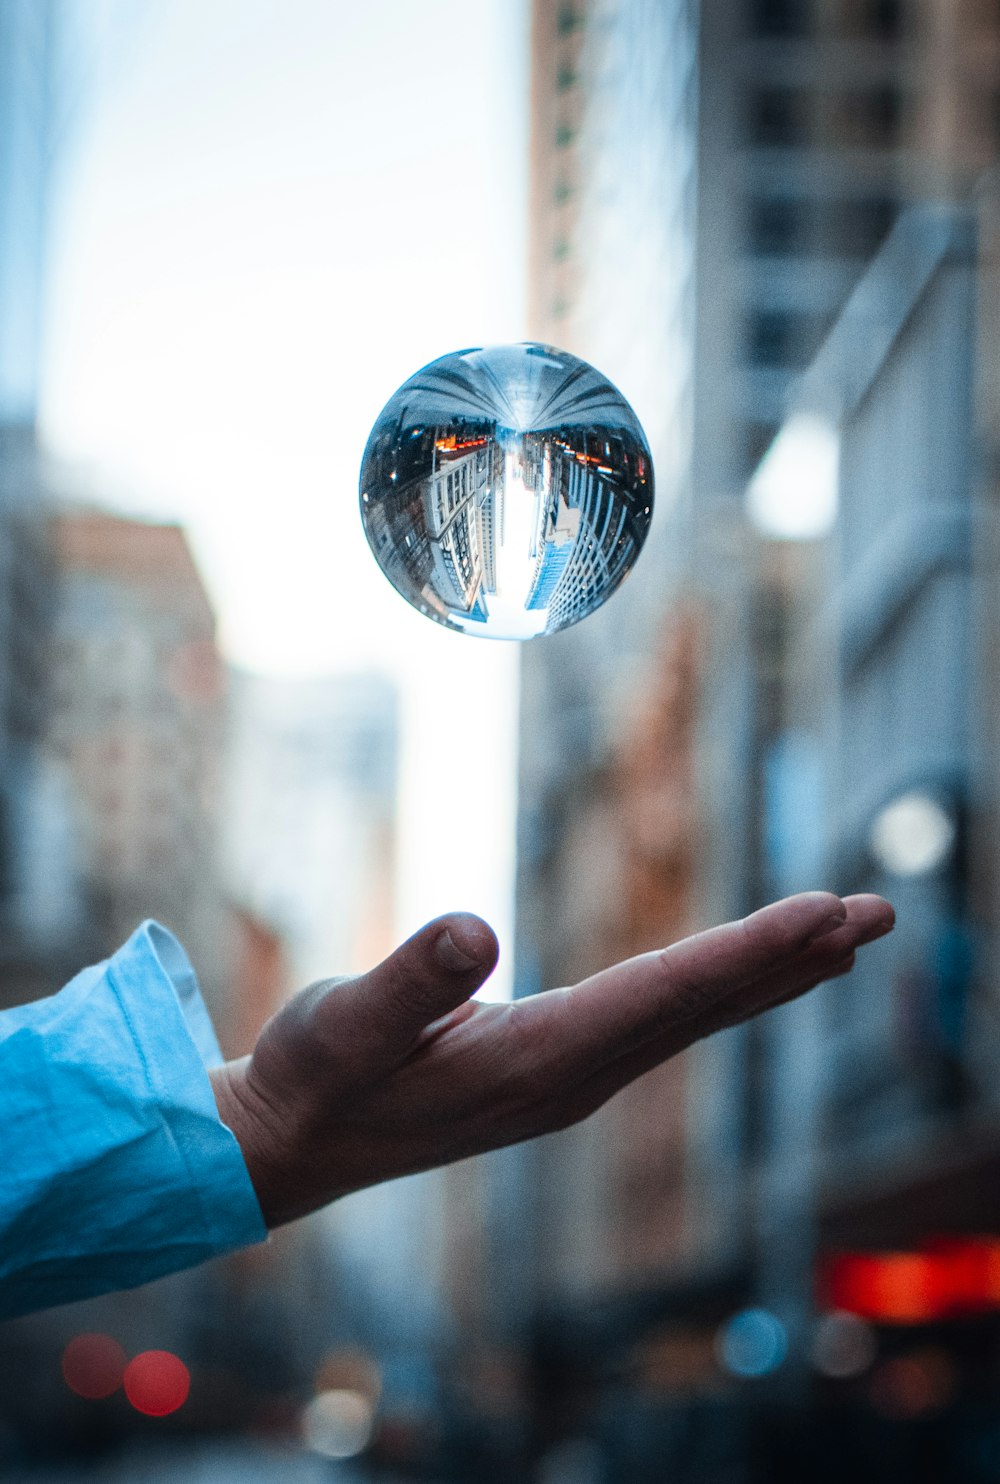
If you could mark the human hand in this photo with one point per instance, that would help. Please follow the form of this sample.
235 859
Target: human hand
361 1080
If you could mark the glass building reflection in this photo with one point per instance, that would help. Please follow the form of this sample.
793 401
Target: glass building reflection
507 492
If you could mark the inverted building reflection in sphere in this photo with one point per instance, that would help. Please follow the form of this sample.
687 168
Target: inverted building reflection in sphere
507 491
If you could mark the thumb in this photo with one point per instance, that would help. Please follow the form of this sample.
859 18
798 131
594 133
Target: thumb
373 1020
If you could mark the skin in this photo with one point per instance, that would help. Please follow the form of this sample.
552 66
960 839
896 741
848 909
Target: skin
361 1080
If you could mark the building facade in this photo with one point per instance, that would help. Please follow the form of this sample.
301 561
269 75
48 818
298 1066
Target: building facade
40 910
138 716
310 809
711 185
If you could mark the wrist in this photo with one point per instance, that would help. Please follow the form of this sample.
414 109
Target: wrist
253 1127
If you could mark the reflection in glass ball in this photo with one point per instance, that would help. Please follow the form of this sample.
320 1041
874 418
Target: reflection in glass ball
507 492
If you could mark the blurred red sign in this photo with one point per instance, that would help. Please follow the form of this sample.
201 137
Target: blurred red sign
945 1278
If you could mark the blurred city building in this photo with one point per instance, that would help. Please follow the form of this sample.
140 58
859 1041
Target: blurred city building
711 185
114 728
38 913
138 714
256 819
879 1097
607 857
765 222
310 808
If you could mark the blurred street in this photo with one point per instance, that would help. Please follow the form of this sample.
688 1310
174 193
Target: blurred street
211 1463
227 235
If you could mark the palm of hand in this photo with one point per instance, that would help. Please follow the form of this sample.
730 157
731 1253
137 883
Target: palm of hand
362 1080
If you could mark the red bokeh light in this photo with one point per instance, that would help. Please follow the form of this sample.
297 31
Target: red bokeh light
946 1278
93 1366
157 1383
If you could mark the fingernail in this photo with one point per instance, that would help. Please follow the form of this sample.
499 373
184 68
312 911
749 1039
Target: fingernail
451 956
828 925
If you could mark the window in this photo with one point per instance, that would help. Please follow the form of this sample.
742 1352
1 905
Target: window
856 229
567 20
781 338
778 117
771 338
757 438
870 118
872 20
778 226
781 226
779 17
885 19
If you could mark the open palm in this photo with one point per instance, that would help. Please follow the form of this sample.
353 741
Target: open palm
364 1079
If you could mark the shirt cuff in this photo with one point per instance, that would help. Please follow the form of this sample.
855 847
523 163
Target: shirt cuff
152 977
122 1170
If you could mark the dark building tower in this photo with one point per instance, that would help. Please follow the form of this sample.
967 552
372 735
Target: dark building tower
711 183
818 123
35 888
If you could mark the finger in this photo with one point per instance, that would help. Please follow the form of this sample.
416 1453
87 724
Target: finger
867 918
371 1022
647 996
830 955
610 1079
703 982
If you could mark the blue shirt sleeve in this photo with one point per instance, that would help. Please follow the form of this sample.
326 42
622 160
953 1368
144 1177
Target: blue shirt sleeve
115 1167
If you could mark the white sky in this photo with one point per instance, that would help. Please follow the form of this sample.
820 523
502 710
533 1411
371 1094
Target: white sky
276 211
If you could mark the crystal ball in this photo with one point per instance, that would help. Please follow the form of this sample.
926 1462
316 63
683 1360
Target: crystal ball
506 492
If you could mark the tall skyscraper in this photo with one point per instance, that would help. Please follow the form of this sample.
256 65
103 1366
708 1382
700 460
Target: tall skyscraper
37 901
612 281
138 713
310 807
817 123
710 183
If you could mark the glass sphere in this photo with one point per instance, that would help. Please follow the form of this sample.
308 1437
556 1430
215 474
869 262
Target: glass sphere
506 492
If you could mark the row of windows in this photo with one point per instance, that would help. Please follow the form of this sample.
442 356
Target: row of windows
779 225
569 19
877 20
864 118
784 339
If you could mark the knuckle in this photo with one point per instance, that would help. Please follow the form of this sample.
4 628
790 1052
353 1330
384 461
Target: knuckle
527 1078
303 1024
684 996
408 993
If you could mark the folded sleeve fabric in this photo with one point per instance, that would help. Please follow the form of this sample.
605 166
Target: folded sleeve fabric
115 1167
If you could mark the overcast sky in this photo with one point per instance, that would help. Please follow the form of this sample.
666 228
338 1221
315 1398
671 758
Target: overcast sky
272 215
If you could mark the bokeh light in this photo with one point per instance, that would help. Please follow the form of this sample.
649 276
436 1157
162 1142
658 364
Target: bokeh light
93 1365
349 1369
157 1382
914 1385
338 1424
752 1343
843 1345
912 835
793 494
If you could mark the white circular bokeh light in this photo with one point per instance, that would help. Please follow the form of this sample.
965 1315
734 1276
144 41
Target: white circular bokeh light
912 835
